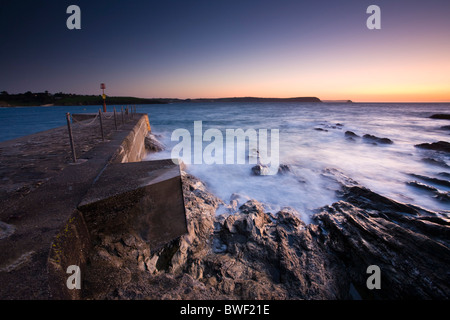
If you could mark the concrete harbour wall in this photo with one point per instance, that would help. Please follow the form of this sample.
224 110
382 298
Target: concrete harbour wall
51 233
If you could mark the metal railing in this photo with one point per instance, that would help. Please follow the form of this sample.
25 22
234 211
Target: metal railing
126 115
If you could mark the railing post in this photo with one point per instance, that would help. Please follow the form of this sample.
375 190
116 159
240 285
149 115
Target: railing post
101 123
115 120
71 137
122 113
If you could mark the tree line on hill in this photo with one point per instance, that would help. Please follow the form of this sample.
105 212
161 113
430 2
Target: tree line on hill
64 99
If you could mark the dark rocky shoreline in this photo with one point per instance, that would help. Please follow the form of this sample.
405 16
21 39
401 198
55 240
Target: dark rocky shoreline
254 254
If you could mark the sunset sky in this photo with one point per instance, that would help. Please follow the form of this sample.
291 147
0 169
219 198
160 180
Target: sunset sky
217 48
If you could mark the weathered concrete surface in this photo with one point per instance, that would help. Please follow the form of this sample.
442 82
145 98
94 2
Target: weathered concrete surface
135 209
142 197
40 192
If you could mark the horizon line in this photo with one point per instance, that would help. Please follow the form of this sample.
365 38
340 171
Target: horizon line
240 97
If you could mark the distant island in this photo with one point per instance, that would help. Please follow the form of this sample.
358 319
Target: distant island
337 101
69 99
255 99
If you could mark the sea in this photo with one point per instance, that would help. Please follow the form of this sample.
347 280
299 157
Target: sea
312 142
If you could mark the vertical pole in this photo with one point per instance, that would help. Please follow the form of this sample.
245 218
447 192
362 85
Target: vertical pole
101 123
115 120
122 113
71 137
104 101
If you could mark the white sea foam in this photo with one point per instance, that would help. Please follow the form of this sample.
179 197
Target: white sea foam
384 168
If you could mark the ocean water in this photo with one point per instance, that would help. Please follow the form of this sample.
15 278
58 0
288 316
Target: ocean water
384 168
309 152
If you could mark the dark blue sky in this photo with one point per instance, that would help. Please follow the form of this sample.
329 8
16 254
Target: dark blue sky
215 48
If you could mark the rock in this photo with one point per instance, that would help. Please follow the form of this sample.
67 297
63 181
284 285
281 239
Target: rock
152 143
445 128
437 181
260 170
437 146
443 196
20 262
6 230
236 200
373 139
251 206
321 129
436 162
252 254
444 174
421 186
382 235
284 168
441 116
351 134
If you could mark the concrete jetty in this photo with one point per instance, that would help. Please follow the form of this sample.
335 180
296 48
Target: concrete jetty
51 206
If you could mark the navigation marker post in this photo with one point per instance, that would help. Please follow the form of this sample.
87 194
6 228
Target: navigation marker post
103 87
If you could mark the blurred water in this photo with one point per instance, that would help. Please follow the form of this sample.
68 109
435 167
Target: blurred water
382 168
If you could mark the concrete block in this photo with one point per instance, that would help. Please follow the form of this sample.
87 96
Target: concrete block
143 198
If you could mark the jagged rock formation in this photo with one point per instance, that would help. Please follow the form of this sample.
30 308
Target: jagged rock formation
437 146
255 254
374 139
152 144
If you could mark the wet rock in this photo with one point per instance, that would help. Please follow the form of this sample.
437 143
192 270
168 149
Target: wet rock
445 116
251 206
437 181
437 194
351 134
374 139
421 186
321 129
444 174
365 228
437 146
20 262
6 230
152 144
260 170
445 128
436 162
236 200
253 254
284 168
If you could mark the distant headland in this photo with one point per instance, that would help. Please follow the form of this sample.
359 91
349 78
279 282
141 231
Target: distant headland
256 99
69 99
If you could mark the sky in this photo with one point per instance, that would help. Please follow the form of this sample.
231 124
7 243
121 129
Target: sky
216 48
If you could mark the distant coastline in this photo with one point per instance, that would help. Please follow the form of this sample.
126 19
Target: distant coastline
46 99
